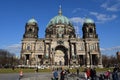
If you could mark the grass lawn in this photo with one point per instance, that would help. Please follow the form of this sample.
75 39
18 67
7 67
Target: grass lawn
17 70
26 70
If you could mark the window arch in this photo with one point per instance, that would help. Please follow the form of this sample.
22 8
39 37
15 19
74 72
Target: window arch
28 47
90 30
30 30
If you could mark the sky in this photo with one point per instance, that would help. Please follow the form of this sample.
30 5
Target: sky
15 13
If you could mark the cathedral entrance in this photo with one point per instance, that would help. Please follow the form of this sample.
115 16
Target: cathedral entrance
27 56
61 56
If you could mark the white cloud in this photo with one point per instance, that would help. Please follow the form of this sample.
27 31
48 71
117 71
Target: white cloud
98 17
110 51
103 17
77 20
14 48
76 10
111 5
116 48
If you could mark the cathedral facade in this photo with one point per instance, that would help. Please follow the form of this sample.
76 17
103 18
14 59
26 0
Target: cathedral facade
61 46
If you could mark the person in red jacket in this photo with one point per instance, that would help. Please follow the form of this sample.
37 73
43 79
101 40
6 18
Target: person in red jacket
88 73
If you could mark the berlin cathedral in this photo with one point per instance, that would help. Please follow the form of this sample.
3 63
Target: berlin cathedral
61 46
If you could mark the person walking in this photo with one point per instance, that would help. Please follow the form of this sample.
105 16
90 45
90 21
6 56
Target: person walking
36 70
77 71
93 74
101 77
20 74
115 74
55 75
62 75
88 73
107 75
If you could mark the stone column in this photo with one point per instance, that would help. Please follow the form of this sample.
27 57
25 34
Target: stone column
68 56
99 57
88 59
88 55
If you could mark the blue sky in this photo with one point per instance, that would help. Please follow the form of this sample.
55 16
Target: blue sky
15 13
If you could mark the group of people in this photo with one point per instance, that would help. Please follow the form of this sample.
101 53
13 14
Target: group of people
62 74
90 73
106 75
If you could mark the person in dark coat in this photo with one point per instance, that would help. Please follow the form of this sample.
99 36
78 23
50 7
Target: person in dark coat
78 72
36 69
62 75
93 74
101 77
115 74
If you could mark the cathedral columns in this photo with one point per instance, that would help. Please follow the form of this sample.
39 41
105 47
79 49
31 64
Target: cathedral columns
99 57
87 55
68 52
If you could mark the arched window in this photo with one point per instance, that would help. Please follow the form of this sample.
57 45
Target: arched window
30 30
90 30
28 47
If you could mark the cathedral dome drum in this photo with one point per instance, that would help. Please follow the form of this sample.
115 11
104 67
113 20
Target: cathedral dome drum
60 25
59 19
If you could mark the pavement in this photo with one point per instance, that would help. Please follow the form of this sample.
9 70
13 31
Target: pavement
38 76
48 76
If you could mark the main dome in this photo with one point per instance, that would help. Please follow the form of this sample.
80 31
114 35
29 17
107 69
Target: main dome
60 27
59 19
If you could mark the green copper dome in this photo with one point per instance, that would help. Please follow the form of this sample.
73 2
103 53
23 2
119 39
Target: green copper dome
88 20
32 21
59 19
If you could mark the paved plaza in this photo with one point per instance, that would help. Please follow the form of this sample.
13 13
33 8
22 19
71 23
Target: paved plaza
43 76
48 76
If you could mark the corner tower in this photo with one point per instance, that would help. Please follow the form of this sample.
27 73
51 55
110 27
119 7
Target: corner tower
31 29
91 41
89 29
29 40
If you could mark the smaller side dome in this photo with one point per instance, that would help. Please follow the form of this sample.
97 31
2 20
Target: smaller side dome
88 20
31 21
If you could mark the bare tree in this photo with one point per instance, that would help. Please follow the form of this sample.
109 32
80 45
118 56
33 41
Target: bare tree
7 59
109 61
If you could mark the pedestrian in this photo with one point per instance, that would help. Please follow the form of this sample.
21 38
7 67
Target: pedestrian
115 74
55 75
36 69
77 72
101 77
62 75
13 67
85 75
107 75
88 73
20 74
93 74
